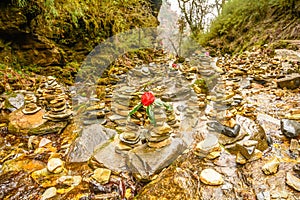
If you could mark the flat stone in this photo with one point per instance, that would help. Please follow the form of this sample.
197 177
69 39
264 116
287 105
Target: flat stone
144 162
271 167
102 175
91 137
211 177
290 82
293 181
205 147
290 128
107 155
34 124
159 144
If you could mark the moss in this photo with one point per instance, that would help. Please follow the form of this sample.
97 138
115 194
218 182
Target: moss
243 25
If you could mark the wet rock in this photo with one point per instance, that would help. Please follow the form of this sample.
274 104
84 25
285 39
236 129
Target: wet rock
293 181
102 175
230 132
290 82
255 156
211 177
70 180
91 137
107 154
33 124
254 132
271 167
27 165
208 148
55 165
144 162
290 128
246 148
49 193
44 142
46 179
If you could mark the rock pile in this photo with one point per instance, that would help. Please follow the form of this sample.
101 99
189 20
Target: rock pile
52 96
31 106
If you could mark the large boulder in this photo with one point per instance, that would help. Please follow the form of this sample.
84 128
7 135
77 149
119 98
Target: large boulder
34 124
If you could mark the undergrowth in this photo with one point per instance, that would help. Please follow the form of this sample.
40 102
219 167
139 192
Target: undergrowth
244 24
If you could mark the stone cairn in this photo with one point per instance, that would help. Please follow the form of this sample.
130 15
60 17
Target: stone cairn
52 96
31 106
125 98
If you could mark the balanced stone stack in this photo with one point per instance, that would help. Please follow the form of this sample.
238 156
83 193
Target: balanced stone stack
94 113
52 95
159 136
130 138
31 106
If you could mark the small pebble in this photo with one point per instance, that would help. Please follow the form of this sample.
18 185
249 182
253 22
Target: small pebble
55 165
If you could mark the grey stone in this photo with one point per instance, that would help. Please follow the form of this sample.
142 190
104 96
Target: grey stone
145 162
17 101
106 154
91 137
290 128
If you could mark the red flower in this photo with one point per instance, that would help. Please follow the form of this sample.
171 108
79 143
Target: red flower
174 65
147 98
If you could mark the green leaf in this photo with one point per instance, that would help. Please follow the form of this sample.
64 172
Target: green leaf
150 113
135 109
160 103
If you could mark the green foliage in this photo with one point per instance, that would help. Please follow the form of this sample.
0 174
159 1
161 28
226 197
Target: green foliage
246 23
20 3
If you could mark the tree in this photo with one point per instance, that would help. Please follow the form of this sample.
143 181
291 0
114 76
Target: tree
196 12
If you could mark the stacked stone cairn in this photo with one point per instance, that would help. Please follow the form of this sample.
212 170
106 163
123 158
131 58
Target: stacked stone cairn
31 106
52 96
130 138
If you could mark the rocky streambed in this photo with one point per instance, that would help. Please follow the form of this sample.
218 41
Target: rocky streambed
232 133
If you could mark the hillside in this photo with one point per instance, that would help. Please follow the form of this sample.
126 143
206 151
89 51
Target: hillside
243 25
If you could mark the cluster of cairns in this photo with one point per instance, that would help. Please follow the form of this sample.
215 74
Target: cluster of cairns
170 90
51 96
